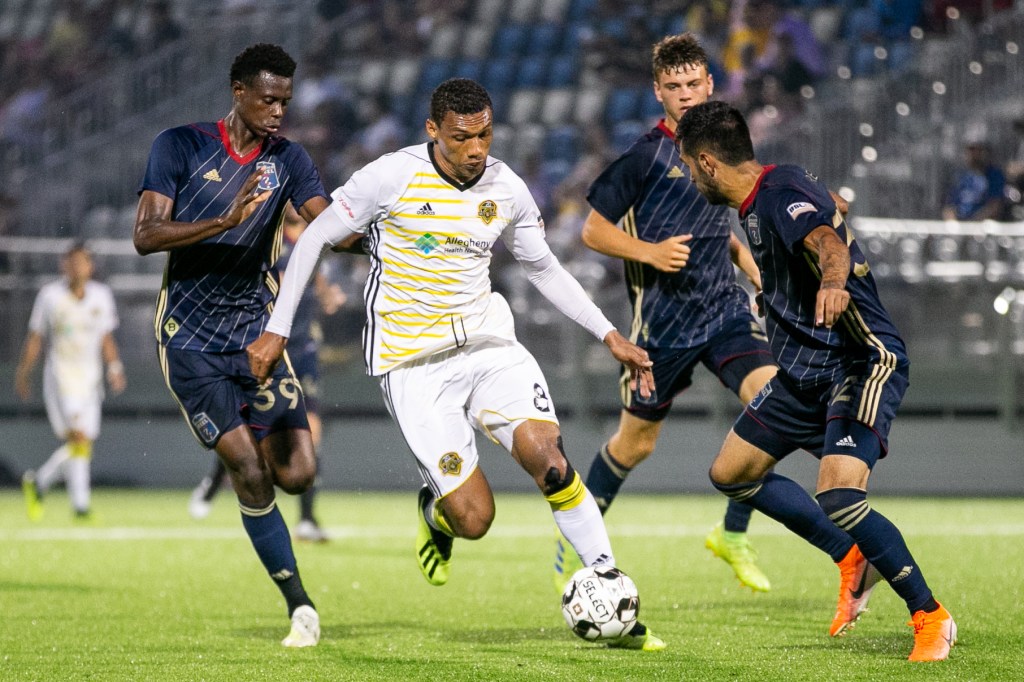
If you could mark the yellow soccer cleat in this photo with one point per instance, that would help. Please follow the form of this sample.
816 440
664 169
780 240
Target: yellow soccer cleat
33 500
567 562
735 550
433 548
934 635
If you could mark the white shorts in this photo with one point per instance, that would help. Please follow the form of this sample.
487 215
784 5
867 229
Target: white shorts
79 412
437 402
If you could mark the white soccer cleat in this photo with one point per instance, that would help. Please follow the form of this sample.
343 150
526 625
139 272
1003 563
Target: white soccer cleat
305 628
309 531
198 506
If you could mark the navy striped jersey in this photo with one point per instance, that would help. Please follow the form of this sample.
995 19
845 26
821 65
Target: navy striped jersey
786 205
216 293
649 189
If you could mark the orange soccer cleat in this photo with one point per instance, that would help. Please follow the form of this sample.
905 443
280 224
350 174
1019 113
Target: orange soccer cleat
934 635
857 578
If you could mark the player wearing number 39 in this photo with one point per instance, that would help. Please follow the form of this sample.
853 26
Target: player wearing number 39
214 198
442 343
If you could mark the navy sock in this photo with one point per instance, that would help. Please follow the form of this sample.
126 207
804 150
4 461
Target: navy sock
782 499
737 516
306 504
269 536
881 543
605 477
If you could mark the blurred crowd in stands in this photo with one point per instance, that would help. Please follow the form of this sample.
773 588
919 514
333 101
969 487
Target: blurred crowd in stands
769 56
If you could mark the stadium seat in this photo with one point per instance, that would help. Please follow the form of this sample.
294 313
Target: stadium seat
489 12
444 40
434 71
562 143
469 68
522 11
404 73
509 40
589 105
500 73
554 10
576 33
623 103
624 133
557 106
563 70
544 39
524 106
650 107
532 71
582 8
477 41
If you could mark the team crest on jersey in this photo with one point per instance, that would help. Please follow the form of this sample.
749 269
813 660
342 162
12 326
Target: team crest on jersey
799 208
269 179
487 211
754 229
171 327
205 427
540 399
450 464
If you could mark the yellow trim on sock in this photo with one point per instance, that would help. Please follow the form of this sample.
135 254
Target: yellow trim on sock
80 449
440 522
569 497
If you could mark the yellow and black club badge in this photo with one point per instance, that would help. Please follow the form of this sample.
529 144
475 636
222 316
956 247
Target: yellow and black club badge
450 464
487 211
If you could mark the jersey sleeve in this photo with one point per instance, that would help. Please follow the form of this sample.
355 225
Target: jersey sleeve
796 214
166 165
108 321
357 202
618 187
307 177
525 214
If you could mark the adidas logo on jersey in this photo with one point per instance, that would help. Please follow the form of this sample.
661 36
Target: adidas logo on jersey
675 173
212 176
426 209
847 442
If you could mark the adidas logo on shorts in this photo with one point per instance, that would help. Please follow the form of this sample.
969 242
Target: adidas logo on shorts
426 209
847 442
903 574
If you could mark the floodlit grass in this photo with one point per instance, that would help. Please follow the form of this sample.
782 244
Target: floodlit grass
145 593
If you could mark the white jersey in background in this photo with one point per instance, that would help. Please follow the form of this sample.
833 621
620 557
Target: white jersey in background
430 240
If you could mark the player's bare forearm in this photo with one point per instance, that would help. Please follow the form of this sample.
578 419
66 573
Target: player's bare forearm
115 369
155 231
634 357
744 260
834 261
264 353
29 357
601 235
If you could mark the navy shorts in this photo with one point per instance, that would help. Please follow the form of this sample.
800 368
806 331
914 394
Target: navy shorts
735 351
217 393
851 416
306 365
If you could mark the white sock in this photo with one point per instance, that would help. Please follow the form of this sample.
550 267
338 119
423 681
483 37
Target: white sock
78 483
583 526
50 472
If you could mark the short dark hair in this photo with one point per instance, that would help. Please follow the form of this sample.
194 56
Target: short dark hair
458 95
675 52
719 128
261 57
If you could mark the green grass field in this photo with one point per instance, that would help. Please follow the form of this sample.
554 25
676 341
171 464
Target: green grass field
145 593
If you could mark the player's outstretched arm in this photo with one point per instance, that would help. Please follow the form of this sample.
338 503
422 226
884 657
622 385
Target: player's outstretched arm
633 356
155 231
603 236
834 260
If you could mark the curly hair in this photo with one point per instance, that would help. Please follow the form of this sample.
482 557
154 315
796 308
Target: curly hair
261 57
719 128
675 52
458 95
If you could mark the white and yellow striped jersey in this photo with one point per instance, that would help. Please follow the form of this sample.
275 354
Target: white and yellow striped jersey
430 241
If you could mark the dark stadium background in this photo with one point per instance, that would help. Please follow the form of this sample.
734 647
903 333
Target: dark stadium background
89 84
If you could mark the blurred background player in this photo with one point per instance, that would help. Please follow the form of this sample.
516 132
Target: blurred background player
214 197
75 317
843 371
443 343
679 252
303 352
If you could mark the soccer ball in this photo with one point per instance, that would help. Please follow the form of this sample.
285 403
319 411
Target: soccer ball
600 602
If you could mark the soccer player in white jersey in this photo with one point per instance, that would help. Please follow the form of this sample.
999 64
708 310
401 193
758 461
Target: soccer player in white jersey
442 343
75 318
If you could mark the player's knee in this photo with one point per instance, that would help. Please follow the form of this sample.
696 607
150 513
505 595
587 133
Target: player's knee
841 504
555 480
471 523
295 479
720 474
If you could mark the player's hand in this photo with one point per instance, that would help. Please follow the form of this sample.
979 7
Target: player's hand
633 356
830 304
117 382
264 353
841 203
332 298
246 201
670 255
